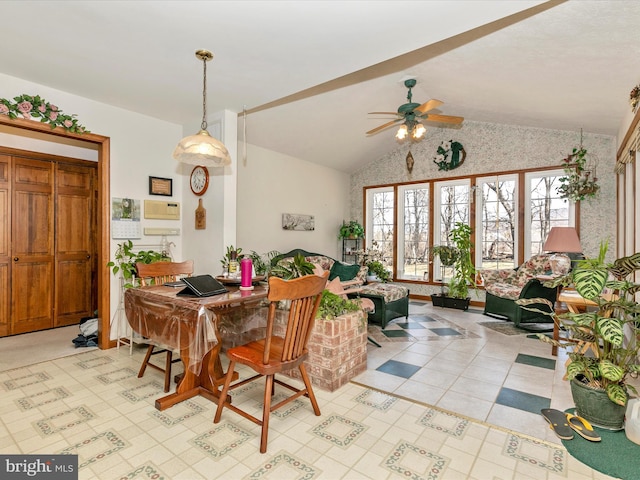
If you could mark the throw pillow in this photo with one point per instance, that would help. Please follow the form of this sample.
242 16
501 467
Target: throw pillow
343 271
334 286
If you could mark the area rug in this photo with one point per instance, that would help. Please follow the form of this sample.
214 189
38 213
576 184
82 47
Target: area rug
508 328
614 455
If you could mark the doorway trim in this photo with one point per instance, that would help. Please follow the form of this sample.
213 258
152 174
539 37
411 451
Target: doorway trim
103 243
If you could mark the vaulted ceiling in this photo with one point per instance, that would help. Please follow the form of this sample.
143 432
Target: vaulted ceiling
308 72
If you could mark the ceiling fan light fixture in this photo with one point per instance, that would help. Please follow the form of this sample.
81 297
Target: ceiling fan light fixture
418 131
202 148
402 132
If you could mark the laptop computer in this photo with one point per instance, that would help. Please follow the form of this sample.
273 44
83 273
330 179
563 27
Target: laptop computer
201 286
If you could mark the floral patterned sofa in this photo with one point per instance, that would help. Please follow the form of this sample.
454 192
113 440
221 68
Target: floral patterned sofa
503 287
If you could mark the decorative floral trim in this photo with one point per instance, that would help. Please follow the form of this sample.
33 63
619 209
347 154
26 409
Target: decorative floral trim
446 148
29 107
634 97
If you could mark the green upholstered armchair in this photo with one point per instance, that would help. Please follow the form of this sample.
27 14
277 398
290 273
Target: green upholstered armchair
503 287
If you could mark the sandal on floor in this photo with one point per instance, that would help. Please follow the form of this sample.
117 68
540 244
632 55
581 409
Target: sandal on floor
583 428
558 422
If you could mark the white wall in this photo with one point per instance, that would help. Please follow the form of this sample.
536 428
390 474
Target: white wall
270 184
140 146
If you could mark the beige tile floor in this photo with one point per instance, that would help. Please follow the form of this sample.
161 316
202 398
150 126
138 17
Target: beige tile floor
442 423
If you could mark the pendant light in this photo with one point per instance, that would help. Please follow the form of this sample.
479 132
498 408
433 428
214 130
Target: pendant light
202 148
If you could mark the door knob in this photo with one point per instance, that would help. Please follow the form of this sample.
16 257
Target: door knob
15 259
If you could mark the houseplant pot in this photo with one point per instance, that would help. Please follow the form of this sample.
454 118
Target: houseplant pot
442 300
593 404
351 230
611 329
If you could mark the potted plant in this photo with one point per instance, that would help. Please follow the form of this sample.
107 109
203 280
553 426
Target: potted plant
578 182
351 230
457 254
599 374
232 255
378 270
126 259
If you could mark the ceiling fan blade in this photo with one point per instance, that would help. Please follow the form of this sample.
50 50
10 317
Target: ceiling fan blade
432 117
383 113
429 105
382 127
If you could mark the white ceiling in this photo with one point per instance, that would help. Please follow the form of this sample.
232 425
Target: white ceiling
321 66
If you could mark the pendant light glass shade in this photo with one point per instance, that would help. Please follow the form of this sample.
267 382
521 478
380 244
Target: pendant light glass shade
202 148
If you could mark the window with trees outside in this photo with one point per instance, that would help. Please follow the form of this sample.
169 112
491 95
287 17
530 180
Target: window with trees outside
406 220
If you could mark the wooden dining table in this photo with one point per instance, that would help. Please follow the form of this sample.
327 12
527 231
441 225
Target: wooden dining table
193 326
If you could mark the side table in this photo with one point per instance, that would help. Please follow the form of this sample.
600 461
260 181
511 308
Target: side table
575 303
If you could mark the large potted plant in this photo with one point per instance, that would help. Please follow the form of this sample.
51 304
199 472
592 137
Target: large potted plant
457 254
599 374
126 259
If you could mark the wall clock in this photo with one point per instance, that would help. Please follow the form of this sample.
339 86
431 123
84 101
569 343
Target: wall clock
199 180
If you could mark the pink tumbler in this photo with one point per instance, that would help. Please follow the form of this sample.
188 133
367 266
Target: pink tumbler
246 270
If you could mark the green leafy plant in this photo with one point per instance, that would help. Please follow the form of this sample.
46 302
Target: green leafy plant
463 270
288 269
29 106
262 263
332 306
447 254
578 183
126 259
379 270
611 287
351 230
227 256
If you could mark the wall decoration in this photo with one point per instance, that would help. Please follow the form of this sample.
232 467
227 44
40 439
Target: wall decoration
32 107
201 216
160 186
410 162
449 155
125 218
634 97
294 221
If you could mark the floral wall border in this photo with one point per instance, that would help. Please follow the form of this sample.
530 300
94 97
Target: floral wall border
32 107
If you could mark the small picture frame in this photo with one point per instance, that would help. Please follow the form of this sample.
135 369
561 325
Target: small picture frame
161 186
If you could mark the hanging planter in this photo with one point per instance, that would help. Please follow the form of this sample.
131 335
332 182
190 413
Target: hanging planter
580 181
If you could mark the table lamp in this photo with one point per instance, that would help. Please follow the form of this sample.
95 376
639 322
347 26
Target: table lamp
560 241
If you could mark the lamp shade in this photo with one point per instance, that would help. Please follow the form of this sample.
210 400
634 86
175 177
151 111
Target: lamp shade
202 149
562 239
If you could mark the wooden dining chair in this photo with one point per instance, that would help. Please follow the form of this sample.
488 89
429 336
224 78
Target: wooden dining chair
158 273
274 354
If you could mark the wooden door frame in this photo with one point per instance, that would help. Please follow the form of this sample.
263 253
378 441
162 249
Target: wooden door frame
103 242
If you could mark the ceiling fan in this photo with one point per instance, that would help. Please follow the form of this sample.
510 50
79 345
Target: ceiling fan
411 114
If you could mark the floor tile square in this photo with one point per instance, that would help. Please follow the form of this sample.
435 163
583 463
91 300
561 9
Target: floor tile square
522 400
536 361
399 369
395 333
410 325
421 318
445 332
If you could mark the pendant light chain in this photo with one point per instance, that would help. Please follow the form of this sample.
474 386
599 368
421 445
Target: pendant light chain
203 126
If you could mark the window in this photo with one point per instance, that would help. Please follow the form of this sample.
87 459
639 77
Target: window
380 221
413 251
496 222
491 202
544 209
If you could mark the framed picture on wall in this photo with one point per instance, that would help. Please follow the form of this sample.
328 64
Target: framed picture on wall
161 186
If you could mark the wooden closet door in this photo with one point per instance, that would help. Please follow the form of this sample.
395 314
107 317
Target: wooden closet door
5 244
32 246
74 243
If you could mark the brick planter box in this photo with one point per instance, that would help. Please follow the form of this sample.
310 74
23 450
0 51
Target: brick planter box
337 349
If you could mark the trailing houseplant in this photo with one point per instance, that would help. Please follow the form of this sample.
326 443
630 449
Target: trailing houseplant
126 259
611 329
378 269
578 182
333 305
352 229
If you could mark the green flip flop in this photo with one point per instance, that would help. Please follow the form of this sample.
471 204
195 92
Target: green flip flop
582 427
558 422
